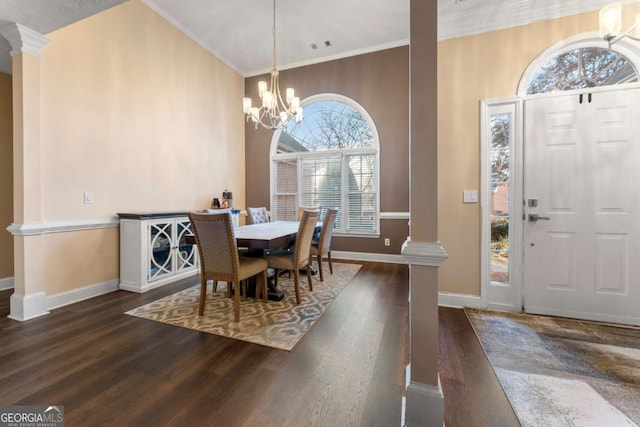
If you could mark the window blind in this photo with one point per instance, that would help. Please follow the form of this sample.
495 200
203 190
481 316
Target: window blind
284 203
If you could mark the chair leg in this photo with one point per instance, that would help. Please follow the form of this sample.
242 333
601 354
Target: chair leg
275 279
228 289
320 266
296 281
215 286
330 265
264 286
203 296
236 303
309 275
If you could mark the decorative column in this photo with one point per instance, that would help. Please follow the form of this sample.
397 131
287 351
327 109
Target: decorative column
29 299
422 251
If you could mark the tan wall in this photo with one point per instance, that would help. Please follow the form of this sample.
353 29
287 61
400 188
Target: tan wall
6 176
139 114
89 258
380 83
471 69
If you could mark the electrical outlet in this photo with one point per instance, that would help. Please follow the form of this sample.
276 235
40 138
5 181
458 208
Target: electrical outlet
387 242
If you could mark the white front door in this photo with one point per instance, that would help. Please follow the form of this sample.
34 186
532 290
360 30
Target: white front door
581 160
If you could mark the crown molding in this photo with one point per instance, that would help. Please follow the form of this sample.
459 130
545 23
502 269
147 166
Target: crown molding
24 40
461 18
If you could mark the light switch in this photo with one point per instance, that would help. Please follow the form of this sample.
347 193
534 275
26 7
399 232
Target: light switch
88 197
470 196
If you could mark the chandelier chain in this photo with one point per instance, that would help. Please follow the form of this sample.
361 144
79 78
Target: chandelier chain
273 112
274 34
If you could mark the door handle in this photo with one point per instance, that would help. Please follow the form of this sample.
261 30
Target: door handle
536 217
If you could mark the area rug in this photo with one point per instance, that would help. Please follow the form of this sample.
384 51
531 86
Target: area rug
563 372
277 324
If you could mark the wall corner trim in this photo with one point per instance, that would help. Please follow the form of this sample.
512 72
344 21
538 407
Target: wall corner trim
35 228
24 40
430 254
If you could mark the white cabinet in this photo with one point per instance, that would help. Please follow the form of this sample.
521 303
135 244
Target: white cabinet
153 250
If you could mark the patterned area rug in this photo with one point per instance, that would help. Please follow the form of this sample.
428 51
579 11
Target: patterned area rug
563 372
278 324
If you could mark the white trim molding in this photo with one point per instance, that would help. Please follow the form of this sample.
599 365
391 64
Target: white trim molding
24 40
81 294
394 215
368 256
26 307
430 254
465 18
446 299
35 228
6 283
424 405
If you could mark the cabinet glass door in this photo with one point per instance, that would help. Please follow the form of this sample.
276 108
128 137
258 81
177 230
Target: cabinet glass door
160 259
186 256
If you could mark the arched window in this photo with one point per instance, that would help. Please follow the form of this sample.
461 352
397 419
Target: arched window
330 160
583 68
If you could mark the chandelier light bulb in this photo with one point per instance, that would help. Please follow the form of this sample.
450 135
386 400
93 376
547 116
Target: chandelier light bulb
290 93
246 105
610 18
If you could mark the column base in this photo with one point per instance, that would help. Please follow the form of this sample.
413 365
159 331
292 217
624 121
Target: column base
25 307
424 405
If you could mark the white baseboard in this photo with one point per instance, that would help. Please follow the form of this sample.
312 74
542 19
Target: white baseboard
26 307
424 406
368 256
6 283
81 294
447 299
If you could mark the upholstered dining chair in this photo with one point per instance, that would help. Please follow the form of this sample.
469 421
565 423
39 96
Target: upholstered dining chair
219 258
322 247
300 256
301 209
257 215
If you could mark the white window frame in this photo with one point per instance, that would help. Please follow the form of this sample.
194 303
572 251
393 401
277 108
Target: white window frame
499 295
375 150
585 40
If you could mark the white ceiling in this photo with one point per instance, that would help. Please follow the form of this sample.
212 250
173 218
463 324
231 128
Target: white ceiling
239 31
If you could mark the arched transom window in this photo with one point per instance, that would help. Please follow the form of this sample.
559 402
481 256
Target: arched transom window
328 160
582 68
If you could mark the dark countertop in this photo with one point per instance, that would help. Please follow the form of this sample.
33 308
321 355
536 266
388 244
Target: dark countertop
152 215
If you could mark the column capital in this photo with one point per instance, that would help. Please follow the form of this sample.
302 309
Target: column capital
23 39
430 254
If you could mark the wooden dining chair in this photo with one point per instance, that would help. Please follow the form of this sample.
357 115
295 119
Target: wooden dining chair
300 256
322 247
257 215
219 258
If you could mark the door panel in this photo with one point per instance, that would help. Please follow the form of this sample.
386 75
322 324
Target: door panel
581 168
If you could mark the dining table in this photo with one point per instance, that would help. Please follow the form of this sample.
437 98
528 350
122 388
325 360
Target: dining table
264 237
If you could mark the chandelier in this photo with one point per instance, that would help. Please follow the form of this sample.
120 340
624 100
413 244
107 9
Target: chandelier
610 20
273 113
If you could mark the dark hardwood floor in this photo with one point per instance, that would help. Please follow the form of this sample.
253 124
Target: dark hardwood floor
108 368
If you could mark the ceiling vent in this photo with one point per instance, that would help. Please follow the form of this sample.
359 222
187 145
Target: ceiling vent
321 45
